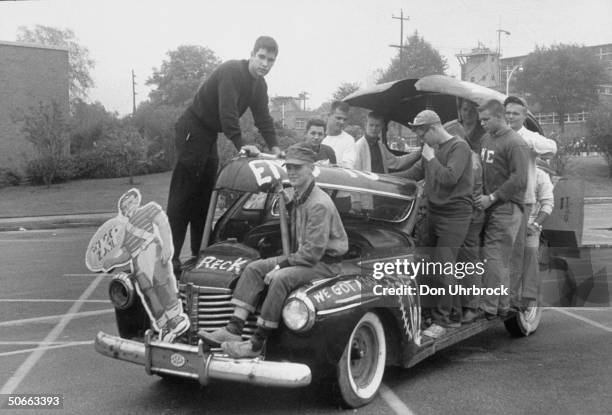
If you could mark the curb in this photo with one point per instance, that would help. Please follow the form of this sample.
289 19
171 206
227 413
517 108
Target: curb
54 222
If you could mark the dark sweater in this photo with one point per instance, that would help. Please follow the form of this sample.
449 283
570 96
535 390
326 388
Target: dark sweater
448 178
325 152
225 96
504 165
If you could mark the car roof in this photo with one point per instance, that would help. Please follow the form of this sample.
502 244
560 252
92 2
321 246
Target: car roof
253 175
402 100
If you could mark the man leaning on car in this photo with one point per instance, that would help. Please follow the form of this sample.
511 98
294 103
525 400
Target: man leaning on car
320 240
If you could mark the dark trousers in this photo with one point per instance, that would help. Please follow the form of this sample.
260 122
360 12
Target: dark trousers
446 234
193 180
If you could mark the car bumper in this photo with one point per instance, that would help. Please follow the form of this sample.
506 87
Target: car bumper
193 362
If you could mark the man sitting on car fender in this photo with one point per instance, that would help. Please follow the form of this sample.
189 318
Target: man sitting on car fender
321 241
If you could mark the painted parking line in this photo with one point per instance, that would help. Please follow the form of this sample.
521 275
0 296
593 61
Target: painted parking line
583 319
30 343
47 300
394 402
49 347
88 274
45 319
25 368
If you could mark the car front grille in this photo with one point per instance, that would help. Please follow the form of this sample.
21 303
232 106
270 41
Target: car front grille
209 308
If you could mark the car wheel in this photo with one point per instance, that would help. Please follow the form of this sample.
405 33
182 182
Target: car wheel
525 322
361 367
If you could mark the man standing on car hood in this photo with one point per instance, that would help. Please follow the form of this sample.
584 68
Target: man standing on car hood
217 107
321 241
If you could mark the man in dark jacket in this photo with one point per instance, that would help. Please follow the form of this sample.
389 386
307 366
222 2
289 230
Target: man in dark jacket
217 107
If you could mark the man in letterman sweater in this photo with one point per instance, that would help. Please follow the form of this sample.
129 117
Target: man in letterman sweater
447 170
504 162
217 107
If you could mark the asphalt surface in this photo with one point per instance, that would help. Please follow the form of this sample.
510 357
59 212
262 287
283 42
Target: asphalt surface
51 308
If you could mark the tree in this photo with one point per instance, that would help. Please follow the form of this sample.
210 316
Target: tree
89 124
344 90
561 78
78 56
599 125
180 76
357 116
156 123
419 59
46 127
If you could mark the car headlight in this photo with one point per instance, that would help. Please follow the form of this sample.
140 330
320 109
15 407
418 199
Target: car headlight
121 291
299 313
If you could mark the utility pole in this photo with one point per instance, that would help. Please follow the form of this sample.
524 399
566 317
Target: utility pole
133 94
401 18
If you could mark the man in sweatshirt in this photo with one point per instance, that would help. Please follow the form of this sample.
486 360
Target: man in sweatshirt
217 107
446 166
504 163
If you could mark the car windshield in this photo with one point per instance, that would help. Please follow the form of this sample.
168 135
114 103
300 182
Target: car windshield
352 205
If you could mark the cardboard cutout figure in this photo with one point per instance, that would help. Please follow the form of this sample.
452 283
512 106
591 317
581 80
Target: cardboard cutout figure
140 236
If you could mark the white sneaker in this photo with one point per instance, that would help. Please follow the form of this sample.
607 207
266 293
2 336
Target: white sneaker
177 325
434 331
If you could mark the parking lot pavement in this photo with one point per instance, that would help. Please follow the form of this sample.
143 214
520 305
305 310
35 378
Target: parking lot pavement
46 347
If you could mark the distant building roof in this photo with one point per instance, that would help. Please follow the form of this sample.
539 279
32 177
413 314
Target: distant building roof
33 45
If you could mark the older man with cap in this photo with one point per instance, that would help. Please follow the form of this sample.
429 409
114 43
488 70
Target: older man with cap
321 241
447 171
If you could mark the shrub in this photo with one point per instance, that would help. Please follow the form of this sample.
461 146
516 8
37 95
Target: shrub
48 170
9 177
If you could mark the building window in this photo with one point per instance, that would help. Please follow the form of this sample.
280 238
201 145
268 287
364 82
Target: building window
300 124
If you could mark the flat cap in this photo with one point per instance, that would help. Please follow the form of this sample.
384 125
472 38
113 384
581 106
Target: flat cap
300 153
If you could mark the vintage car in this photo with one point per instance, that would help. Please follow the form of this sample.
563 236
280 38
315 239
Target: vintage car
342 329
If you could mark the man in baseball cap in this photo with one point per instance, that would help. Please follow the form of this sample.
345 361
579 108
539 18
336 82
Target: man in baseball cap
447 171
321 241
425 117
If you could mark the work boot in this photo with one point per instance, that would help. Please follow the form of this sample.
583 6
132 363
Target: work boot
240 349
215 338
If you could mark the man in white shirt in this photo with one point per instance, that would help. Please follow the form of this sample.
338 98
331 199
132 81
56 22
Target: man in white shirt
521 284
342 142
374 156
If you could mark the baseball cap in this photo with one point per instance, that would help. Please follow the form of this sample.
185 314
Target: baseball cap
300 153
425 117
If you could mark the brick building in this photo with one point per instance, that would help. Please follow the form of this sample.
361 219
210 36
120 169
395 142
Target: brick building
29 74
482 66
289 113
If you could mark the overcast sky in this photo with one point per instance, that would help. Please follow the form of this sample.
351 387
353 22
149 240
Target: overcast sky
322 42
